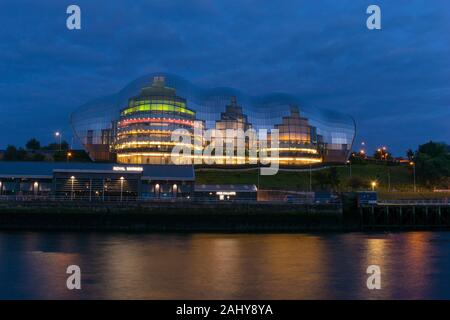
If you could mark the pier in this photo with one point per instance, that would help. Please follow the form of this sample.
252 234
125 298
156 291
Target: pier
406 214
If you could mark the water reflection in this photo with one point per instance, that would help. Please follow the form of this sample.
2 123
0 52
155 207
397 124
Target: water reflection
224 266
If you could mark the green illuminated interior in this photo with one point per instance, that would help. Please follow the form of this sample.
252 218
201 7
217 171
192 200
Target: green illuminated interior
158 106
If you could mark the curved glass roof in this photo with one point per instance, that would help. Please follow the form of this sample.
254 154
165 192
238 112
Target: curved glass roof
263 111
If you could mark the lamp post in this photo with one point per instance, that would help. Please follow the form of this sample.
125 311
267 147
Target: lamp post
121 187
157 190
103 190
389 179
72 179
373 184
350 167
174 190
310 178
35 188
90 190
69 154
412 163
58 135
258 172
1 188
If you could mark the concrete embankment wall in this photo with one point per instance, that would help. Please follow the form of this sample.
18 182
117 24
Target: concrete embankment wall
172 217
405 217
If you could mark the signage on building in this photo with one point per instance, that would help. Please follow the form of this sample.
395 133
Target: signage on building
129 169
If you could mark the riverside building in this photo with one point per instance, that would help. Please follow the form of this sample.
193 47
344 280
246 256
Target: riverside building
136 125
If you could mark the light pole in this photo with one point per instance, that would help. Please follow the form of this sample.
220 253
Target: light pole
373 184
90 190
157 190
350 167
310 178
121 187
389 180
414 173
69 154
258 172
58 135
175 190
1 188
35 188
72 179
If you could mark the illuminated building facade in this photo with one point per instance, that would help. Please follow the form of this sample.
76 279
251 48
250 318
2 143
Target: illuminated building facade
95 181
233 118
298 140
145 125
141 131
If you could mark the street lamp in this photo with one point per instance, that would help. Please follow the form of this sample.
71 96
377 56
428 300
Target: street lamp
121 187
350 167
157 190
1 188
373 184
72 179
310 178
35 187
69 154
414 173
174 190
58 135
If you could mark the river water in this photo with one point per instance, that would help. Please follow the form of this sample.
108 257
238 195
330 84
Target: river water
224 266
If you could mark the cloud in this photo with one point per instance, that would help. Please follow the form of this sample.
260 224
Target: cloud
319 50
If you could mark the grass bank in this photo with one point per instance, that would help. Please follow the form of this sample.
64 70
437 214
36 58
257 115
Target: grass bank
400 178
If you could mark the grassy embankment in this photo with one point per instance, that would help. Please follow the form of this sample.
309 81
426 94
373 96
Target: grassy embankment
401 180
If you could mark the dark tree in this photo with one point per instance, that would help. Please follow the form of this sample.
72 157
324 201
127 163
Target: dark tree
56 146
410 154
327 179
37 157
433 164
321 179
433 149
75 156
14 154
33 144
357 183
334 177
11 153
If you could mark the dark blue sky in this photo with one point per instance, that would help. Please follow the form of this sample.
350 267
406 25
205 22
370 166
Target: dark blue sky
395 82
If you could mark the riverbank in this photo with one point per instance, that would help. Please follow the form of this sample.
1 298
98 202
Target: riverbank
172 217
252 217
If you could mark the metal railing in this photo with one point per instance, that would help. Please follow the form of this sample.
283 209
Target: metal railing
131 200
445 201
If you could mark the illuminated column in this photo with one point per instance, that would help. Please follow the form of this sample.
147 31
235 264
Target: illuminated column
121 187
72 179
174 190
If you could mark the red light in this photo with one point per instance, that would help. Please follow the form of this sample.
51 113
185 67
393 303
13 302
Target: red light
143 120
